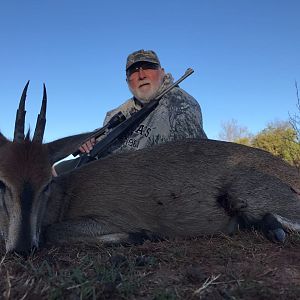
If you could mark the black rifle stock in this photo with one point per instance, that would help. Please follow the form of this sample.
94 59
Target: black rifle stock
125 126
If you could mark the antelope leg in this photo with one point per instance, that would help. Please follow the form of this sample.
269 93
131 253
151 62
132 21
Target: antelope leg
90 231
84 230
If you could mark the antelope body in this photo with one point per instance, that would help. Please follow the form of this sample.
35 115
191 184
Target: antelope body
181 189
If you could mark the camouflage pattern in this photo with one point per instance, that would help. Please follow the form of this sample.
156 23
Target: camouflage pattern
142 55
178 116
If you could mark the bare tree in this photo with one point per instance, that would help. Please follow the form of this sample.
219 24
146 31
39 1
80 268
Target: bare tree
231 131
295 118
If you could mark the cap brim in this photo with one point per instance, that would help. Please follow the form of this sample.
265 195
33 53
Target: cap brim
143 60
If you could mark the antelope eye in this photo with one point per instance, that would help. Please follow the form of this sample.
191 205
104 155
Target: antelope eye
2 200
2 186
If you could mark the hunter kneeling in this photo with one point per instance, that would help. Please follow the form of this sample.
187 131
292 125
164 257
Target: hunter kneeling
177 116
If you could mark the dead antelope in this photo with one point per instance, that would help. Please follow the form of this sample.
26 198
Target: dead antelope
181 189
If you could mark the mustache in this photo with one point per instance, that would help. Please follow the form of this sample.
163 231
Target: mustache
144 83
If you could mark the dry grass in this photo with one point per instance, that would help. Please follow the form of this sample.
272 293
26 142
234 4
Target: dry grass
243 267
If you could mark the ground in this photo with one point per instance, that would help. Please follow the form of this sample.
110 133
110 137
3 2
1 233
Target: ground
245 266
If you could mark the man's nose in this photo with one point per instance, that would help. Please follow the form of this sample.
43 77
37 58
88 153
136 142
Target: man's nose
142 74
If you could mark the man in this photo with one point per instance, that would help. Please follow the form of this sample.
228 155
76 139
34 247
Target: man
177 116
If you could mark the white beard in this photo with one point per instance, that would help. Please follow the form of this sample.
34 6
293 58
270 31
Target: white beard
145 97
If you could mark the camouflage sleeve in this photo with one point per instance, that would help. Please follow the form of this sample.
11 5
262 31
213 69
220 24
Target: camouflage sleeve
181 117
185 117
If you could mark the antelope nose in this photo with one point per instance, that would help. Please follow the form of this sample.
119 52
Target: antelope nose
22 248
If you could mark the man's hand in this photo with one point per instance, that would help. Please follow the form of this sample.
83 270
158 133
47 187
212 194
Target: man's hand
87 146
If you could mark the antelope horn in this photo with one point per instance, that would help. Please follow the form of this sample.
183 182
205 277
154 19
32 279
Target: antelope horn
41 120
20 117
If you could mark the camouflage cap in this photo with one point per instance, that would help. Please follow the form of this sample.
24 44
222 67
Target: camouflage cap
142 55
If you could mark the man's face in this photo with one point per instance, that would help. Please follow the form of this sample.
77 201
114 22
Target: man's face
144 80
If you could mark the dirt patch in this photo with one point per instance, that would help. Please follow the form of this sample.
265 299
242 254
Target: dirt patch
246 266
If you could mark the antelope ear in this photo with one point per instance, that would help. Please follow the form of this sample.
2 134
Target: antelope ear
61 148
3 139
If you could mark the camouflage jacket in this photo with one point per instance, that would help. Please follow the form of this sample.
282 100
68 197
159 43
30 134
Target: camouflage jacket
177 116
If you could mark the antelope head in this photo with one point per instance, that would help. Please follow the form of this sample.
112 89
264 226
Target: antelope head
25 178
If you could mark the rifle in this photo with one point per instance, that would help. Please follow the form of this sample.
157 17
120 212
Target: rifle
128 124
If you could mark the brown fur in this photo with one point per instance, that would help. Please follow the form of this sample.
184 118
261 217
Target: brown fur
184 189
171 190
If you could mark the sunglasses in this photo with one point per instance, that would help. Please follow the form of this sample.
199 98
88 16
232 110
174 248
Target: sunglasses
143 65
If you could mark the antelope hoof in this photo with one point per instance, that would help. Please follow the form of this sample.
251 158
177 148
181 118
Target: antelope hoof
273 229
277 235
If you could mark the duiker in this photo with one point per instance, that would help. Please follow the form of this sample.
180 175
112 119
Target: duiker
180 189
25 179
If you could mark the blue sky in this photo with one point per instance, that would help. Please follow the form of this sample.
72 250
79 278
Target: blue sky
246 57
